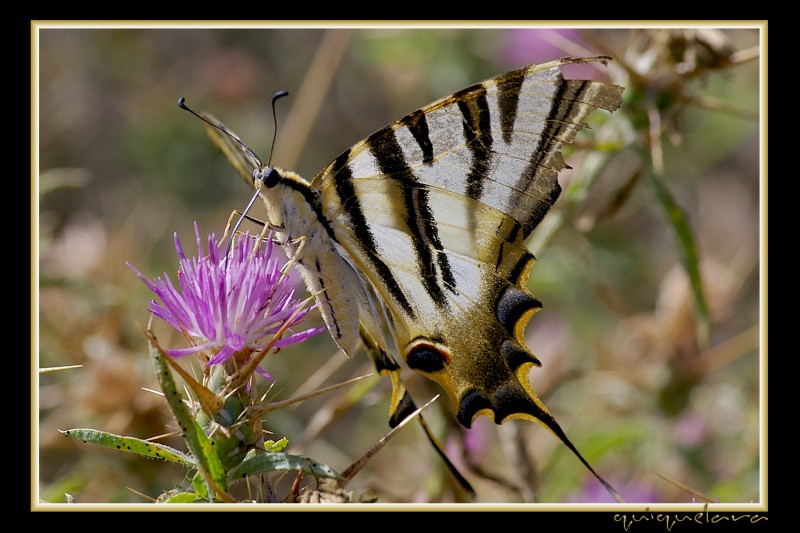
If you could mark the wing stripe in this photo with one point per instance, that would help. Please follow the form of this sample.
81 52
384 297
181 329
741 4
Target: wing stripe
523 263
551 139
508 102
343 181
424 232
417 124
419 217
476 121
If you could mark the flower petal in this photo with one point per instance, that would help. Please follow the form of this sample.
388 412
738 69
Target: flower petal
228 302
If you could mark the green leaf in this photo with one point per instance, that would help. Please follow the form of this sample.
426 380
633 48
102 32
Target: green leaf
687 251
255 464
183 497
199 484
204 452
153 450
272 447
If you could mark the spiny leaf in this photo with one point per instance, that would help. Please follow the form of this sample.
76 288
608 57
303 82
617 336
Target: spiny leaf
261 463
210 402
199 484
153 450
207 460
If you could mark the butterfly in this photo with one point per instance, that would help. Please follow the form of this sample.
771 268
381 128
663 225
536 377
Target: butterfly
413 240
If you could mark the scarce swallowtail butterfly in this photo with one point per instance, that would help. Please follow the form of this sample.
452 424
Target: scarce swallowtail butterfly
413 240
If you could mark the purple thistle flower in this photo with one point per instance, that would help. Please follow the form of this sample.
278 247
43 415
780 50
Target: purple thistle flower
228 306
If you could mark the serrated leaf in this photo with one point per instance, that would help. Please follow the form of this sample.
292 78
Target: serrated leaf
255 464
152 450
207 460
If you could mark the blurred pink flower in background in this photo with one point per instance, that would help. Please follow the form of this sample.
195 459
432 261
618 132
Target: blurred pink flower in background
525 46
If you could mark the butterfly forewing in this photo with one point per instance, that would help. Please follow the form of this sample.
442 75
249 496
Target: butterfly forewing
239 156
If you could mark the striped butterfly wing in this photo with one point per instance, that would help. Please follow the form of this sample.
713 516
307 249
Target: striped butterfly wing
413 240
434 209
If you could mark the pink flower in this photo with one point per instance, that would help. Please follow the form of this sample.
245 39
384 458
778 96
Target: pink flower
228 305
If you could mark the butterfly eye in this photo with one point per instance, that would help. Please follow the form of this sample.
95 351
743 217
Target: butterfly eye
271 177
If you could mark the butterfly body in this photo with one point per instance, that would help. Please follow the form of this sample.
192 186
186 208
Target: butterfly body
294 208
414 238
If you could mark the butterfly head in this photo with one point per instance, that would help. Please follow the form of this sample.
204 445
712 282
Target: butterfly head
268 177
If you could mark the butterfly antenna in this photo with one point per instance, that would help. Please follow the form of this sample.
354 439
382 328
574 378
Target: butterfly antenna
226 131
182 105
229 133
279 94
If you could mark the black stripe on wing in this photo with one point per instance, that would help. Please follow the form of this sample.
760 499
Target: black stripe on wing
417 124
477 127
418 215
343 182
551 139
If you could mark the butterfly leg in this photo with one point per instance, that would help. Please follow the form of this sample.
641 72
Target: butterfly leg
299 243
235 219
237 216
402 405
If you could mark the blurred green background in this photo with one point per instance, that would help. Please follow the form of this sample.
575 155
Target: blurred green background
121 169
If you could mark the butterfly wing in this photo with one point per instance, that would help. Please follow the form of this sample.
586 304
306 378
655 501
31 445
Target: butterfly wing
236 152
434 209
415 236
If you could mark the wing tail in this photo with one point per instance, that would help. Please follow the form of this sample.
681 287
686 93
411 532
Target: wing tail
403 405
